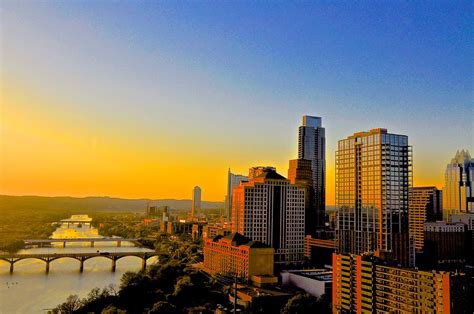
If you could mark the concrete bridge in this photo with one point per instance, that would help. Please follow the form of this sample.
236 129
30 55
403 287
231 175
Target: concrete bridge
81 257
92 241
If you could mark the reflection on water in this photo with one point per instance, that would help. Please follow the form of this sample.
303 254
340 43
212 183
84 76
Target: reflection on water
30 290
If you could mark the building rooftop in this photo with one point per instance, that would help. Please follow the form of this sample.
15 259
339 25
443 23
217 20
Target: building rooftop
271 174
316 274
238 239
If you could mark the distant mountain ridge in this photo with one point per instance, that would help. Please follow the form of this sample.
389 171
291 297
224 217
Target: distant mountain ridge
96 203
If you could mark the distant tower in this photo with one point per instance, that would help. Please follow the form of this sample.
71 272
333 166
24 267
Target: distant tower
312 146
233 180
196 205
458 192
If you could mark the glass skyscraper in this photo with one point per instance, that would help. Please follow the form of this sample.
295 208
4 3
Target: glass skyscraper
312 146
373 181
458 194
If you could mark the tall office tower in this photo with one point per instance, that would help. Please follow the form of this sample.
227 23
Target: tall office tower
196 204
233 180
312 146
373 181
425 205
300 173
458 192
270 209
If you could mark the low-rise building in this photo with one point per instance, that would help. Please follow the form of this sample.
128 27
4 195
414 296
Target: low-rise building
445 243
211 231
315 282
236 255
318 249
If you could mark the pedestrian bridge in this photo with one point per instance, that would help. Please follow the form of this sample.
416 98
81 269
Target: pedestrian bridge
81 257
69 240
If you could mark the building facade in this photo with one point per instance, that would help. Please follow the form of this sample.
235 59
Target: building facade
236 255
373 181
233 180
425 205
458 191
312 146
300 173
361 284
196 202
446 243
271 210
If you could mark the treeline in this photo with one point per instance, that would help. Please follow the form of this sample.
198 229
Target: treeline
175 287
172 286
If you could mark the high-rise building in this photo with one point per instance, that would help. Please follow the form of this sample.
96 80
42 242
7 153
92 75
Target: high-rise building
458 192
425 205
271 210
373 181
300 173
363 284
312 146
233 180
196 203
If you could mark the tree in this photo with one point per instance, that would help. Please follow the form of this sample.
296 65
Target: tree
112 310
163 307
300 304
72 304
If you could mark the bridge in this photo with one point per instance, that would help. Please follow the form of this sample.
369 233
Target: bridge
68 240
81 257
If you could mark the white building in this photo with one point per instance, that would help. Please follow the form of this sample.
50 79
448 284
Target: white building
315 282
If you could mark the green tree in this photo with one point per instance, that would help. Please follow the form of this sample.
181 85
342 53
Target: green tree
72 304
300 304
163 307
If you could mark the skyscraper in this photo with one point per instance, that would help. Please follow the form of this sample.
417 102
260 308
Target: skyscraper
196 204
312 146
233 180
425 205
301 174
458 192
271 210
373 181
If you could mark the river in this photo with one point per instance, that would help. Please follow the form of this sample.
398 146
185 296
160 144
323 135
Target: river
30 290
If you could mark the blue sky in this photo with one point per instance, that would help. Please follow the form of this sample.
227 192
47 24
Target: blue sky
232 79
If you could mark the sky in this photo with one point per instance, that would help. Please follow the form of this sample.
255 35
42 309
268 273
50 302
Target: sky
148 99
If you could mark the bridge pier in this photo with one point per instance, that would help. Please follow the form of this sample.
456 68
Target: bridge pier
64 244
47 267
144 263
81 266
11 267
92 243
119 243
114 264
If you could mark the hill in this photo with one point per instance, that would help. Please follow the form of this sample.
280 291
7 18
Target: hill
86 204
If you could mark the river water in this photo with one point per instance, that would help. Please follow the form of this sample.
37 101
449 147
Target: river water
30 290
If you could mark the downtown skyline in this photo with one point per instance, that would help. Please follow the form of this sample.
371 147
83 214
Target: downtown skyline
153 111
